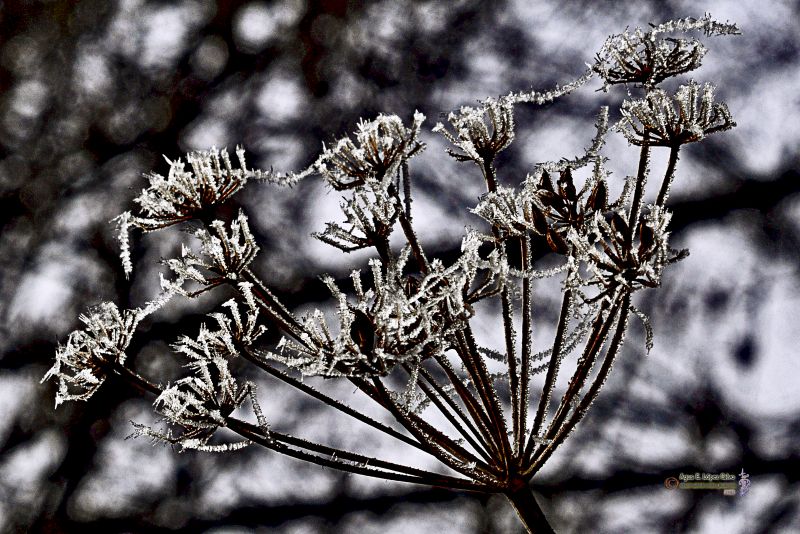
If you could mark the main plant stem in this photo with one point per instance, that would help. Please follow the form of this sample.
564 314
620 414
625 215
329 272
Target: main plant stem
528 510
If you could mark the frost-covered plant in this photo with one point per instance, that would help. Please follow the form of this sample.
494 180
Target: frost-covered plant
405 338
82 365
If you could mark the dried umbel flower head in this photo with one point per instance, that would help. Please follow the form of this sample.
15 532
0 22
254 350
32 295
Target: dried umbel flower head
370 214
646 59
200 403
381 146
641 59
225 254
393 322
184 195
689 116
413 318
632 260
507 210
480 133
556 210
81 365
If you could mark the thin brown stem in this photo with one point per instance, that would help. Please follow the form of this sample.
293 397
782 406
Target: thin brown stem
486 389
528 510
474 435
273 307
334 460
638 192
445 409
594 389
338 458
408 229
342 407
479 415
513 372
489 174
445 449
669 175
381 244
602 324
552 370
527 342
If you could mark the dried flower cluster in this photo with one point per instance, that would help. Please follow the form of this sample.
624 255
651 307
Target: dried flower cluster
81 365
654 120
404 337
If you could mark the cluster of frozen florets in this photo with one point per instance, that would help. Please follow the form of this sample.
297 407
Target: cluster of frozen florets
183 194
689 116
627 258
200 403
480 133
381 146
400 319
645 58
370 213
82 365
224 254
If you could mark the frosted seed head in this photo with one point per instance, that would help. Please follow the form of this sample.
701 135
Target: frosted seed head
81 365
370 213
689 116
394 322
380 147
184 195
480 133
646 58
225 253
639 58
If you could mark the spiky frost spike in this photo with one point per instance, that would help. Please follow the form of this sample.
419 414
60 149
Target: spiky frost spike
706 24
238 332
545 97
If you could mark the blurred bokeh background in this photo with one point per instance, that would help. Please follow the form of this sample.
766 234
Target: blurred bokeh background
94 92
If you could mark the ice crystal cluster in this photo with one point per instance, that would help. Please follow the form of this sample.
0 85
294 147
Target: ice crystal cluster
403 336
